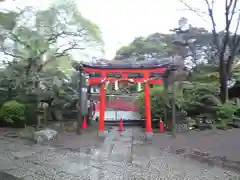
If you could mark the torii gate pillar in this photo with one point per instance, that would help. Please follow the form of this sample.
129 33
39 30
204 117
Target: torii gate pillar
147 99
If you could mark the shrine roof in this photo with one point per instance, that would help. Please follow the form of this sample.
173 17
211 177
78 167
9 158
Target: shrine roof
129 64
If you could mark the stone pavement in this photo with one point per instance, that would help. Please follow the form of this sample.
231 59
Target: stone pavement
121 156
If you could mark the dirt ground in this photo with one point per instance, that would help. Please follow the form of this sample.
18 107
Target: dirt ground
121 155
212 146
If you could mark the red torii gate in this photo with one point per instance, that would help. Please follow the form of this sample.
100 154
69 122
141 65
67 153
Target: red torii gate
145 78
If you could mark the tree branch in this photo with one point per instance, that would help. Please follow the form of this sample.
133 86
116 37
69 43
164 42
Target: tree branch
57 55
226 33
228 7
235 40
16 38
64 52
214 31
198 13
53 37
10 54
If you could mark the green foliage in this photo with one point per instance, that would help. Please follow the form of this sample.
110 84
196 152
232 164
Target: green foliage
154 45
237 113
31 114
159 45
157 103
202 91
65 15
225 113
40 55
63 64
206 73
189 99
8 20
12 112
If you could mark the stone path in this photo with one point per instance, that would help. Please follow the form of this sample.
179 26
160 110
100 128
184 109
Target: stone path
122 156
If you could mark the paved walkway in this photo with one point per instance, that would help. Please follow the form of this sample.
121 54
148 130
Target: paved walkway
120 157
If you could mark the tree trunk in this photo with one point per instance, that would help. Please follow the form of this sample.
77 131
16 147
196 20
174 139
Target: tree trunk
223 80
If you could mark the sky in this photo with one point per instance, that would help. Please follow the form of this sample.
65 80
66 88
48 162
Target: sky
121 21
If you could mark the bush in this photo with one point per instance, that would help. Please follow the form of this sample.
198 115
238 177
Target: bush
200 96
157 103
225 113
30 101
12 112
31 114
237 112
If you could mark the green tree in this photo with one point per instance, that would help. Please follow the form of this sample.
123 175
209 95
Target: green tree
227 42
58 31
160 45
153 46
38 54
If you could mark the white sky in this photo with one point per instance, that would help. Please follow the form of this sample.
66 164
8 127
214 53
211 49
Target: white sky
122 20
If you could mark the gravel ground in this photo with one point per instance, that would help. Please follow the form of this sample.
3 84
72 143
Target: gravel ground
218 147
120 156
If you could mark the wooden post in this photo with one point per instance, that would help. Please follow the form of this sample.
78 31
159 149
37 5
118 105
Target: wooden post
45 115
79 114
173 110
165 83
90 108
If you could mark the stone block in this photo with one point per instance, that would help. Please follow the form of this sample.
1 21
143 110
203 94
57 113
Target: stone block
44 135
103 134
148 136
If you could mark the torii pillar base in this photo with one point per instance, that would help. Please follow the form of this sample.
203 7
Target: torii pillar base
102 134
148 136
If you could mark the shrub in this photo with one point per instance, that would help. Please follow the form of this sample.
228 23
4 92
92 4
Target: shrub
30 101
31 114
225 113
237 113
12 112
157 103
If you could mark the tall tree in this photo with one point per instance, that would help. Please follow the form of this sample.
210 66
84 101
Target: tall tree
154 46
160 45
57 31
225 43
40 37
40 40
